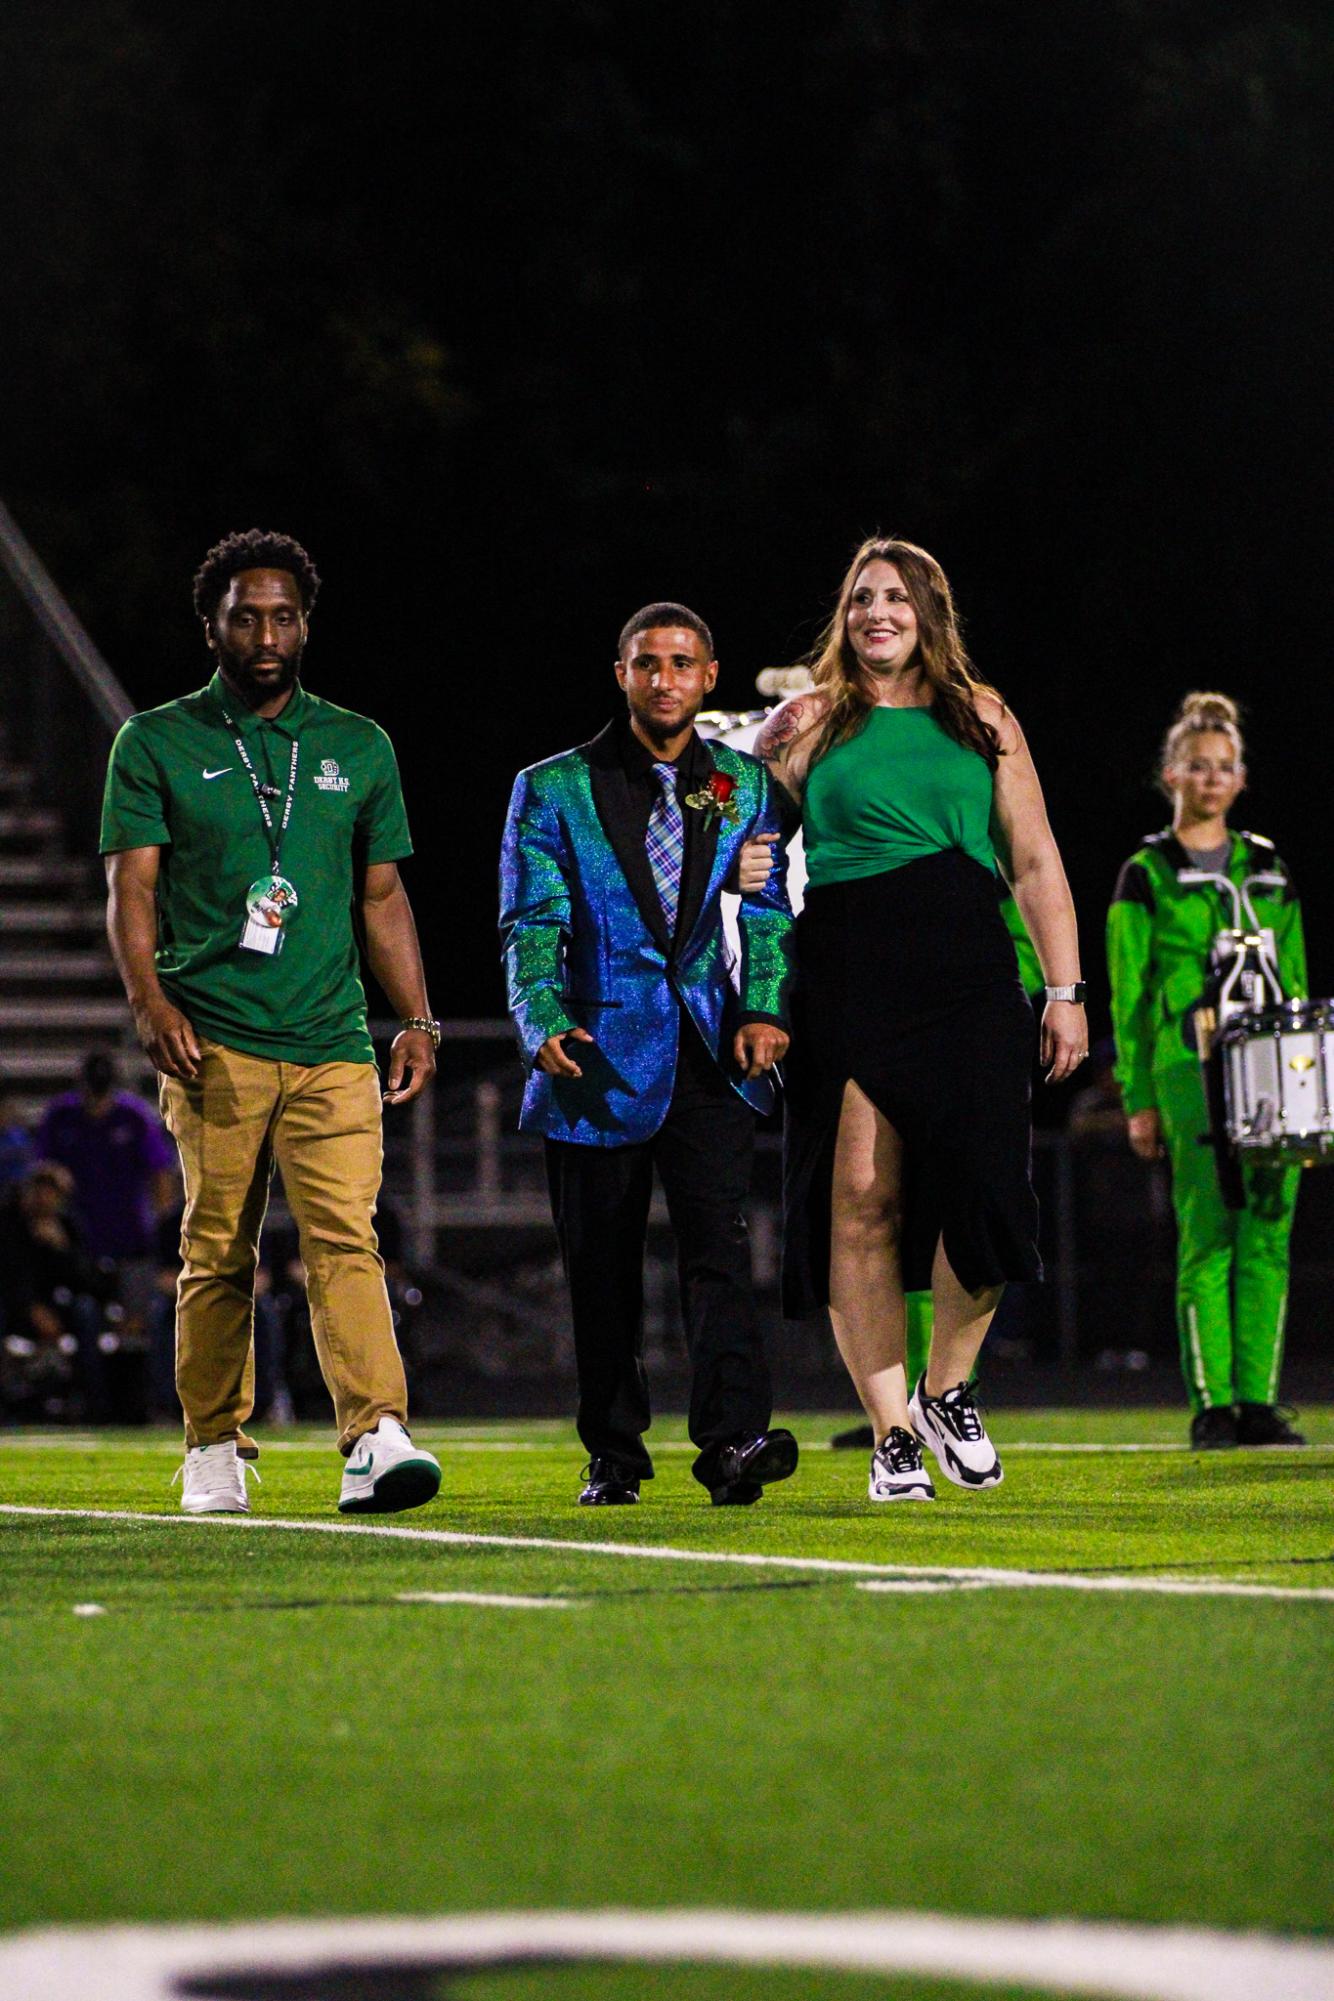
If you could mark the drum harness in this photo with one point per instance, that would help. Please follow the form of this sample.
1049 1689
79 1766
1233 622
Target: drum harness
1243 988
1243 970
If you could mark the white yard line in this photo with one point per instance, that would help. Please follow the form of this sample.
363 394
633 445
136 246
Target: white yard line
506 1602
1196 1587
1089 1445
1120 1962
1172 1587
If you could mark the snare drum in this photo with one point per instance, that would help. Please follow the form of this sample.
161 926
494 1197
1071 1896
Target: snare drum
1278 1081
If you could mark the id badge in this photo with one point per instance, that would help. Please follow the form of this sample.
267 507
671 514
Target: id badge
268 905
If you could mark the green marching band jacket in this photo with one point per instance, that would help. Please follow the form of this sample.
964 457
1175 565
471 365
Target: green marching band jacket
1159 931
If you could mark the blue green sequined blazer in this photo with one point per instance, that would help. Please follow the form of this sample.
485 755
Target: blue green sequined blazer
586 944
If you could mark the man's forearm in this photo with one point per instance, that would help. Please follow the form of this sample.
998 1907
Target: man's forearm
394 953
132 934
166 1034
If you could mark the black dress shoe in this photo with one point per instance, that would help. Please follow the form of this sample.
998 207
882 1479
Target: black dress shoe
860 1438
1213 1430
608 1484
751 1462
1267 1424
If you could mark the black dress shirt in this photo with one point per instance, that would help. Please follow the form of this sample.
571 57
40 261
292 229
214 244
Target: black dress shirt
693 767
692 774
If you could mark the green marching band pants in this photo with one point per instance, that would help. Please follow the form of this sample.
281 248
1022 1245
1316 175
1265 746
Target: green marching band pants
1232 1264
920 1318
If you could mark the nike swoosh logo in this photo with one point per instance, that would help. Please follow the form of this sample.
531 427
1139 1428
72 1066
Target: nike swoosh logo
219 773
361 1469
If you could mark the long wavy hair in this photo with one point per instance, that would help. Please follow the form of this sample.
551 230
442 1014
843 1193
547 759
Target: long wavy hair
940 650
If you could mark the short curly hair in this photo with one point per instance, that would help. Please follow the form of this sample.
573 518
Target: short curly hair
663 613
255 549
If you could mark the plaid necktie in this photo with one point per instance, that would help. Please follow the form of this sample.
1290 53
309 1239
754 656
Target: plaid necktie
666 841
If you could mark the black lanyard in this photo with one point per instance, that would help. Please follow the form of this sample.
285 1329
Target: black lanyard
275 834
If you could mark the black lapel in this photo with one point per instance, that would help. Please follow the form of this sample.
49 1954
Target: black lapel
1171 850
701 851
611 797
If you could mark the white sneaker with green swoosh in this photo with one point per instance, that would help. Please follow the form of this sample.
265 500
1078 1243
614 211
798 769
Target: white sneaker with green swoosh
213 1480
385 1473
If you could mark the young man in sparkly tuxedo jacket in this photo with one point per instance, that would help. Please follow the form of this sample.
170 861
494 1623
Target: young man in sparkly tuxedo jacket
644 1051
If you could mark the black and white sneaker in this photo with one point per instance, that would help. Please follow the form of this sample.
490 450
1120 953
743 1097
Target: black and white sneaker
953 1429
897 1472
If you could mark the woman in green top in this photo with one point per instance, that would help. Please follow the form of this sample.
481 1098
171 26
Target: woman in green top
1232 1264
907 1108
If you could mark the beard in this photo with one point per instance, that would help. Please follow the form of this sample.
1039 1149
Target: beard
247 683
660 729
656 732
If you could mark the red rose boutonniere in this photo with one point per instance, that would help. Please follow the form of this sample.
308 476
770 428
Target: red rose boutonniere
717 799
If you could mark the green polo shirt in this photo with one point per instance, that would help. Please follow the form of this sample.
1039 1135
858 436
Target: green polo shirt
176 782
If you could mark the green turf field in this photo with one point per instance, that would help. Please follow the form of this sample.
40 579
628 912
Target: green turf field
262 1722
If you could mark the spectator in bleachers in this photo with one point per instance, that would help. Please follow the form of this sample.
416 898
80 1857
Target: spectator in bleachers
17 1152
124 1168
49 1304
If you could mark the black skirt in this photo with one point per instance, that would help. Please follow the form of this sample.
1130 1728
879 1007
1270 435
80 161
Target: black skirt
907 984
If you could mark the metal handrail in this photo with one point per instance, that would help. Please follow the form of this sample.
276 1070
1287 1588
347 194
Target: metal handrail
53 614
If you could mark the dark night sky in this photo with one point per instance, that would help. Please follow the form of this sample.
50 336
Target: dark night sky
521 317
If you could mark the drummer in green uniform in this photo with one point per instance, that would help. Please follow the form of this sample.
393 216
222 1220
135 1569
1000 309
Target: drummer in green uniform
1232 1263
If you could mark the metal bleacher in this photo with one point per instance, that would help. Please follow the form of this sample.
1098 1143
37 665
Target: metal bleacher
61 704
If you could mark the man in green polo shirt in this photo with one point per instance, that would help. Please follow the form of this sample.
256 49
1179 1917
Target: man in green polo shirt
242 826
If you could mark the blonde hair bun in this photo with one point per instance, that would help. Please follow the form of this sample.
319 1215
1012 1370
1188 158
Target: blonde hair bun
1202 709
1205 708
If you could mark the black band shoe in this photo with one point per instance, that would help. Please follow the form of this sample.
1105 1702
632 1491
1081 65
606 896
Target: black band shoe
1267 1424
608 1484
860 1438
742 1468
1213 1430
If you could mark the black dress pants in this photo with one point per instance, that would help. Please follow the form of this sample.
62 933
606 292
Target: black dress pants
600 1201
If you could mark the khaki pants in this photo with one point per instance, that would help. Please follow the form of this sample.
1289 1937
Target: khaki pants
321 1123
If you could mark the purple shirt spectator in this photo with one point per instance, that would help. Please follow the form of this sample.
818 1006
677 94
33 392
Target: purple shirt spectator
114 1155
16 1151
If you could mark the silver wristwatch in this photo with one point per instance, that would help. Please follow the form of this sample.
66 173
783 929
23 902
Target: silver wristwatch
426 1023
1076 993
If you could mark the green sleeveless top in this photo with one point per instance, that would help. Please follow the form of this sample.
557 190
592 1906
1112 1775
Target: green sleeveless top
901 789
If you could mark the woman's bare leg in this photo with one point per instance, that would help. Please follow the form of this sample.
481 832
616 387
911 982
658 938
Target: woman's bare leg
866 1301
961 1321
